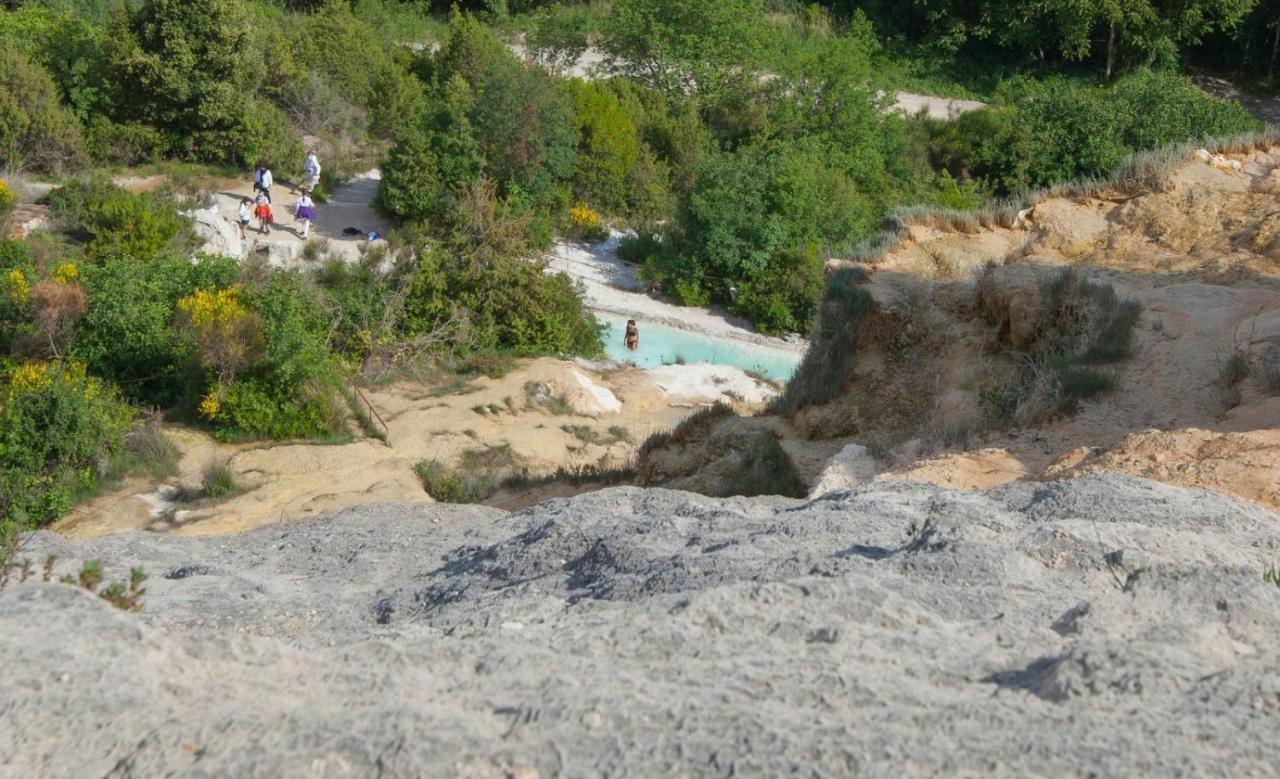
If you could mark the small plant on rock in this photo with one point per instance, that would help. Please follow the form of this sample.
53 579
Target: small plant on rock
126 597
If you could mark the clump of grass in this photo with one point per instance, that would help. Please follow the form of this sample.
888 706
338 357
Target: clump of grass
452 485
692 427
827 368
540 395
763 468
584 433
620 433
148 450
1234 369
575 476
472 480
1268 370
218 482
1083 326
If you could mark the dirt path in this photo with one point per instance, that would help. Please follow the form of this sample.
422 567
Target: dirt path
1265 108
349 205
592 64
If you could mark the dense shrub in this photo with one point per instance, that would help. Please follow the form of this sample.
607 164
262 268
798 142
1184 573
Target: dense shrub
511 305
113 221
126 336
36 131
710 47
270 371
495 115
749 215
74 50
58 429
1056 130
608 148
124 144
433 157
183 71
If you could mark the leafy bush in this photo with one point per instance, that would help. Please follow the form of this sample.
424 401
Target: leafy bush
494 114
1057 130
754 222
124 144
270 370
608 148
75 51
126 335
111 221
58 429
433 157
36 131
511 304
183 70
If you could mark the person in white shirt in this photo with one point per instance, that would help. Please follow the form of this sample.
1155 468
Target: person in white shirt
305 212
311 168
262 180
245 214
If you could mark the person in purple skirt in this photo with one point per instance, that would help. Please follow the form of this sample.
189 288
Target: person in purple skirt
305 212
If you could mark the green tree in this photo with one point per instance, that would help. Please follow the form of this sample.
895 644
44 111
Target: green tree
432 158
707 47
184 73
36 131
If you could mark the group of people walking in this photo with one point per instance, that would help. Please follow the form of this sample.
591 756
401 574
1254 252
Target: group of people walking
259 206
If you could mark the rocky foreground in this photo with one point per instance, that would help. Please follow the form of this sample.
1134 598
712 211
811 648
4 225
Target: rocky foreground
1101 626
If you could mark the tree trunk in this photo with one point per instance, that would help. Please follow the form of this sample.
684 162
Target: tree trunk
1275 49
1111 50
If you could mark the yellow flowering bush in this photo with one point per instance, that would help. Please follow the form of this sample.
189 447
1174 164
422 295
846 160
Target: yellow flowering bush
225 330
210 404
17 287
210 310
7 198
584 221
29 377
66 273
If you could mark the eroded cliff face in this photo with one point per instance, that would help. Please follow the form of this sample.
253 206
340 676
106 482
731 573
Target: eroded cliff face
959 310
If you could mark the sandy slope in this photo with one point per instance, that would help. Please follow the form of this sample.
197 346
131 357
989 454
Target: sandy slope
608 414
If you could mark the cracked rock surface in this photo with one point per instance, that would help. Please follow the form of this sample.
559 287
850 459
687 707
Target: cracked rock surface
1105 625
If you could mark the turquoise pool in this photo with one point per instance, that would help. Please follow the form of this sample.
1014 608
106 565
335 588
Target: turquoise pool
661 345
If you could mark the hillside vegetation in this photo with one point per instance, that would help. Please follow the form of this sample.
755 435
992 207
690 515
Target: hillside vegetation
746 146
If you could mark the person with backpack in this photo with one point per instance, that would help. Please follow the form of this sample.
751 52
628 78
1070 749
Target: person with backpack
305 212
311 169
262 180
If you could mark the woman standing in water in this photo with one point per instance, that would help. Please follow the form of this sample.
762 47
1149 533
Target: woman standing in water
632 338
